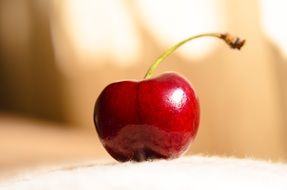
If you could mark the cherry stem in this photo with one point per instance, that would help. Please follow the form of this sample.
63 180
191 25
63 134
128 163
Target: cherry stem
232 41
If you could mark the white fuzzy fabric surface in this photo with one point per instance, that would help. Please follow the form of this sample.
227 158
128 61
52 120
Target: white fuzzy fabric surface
194 172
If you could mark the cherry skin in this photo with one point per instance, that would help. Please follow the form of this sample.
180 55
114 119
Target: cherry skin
153 118
149 119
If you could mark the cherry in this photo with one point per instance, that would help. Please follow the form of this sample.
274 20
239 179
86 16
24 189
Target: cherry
153 118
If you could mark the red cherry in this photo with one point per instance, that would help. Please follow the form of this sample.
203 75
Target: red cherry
153 118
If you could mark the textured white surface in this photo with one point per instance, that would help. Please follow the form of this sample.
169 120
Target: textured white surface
195 172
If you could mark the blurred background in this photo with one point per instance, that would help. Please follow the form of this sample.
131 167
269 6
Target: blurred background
57 56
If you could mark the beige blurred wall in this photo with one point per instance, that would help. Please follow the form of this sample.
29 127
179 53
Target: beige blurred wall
242 94
30 82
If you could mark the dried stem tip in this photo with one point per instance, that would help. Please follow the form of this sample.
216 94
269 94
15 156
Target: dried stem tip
233 41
